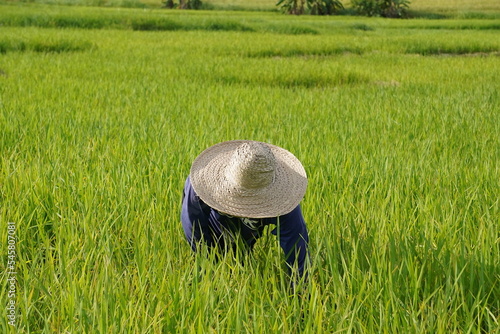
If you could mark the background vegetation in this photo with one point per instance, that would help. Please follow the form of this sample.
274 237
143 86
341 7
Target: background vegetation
102 111
431 8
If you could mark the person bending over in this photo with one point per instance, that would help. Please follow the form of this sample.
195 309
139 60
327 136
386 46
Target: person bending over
236 188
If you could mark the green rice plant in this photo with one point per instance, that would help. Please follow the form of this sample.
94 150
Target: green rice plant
484 9
13 44
400 143
290 29
362 26
158 25
60 46
154 21
216 25
466 45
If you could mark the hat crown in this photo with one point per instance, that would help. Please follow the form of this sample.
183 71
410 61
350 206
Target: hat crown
252 166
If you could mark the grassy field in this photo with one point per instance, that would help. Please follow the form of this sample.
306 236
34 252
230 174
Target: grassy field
424 7
433 6
397 123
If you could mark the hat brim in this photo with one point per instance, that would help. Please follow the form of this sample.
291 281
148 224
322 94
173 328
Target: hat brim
209 181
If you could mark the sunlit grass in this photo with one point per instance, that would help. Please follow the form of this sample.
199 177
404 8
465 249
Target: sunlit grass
456 5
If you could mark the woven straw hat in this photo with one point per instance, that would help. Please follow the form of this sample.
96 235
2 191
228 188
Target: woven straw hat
250 179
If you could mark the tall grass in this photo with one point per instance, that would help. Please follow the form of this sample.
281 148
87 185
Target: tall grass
400 144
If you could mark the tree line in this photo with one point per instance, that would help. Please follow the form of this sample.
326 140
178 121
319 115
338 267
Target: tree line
383 8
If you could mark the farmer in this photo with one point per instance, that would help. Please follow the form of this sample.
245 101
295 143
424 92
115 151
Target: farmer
238 187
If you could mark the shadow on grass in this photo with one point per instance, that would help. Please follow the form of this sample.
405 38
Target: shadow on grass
295 52
146 23
291 81
44 46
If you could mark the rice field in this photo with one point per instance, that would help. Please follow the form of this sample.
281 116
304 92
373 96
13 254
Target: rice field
432 7
397 123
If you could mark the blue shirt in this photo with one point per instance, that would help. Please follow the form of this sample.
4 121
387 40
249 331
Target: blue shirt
203 223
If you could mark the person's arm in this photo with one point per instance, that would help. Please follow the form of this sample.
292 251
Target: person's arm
194 217
293 238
